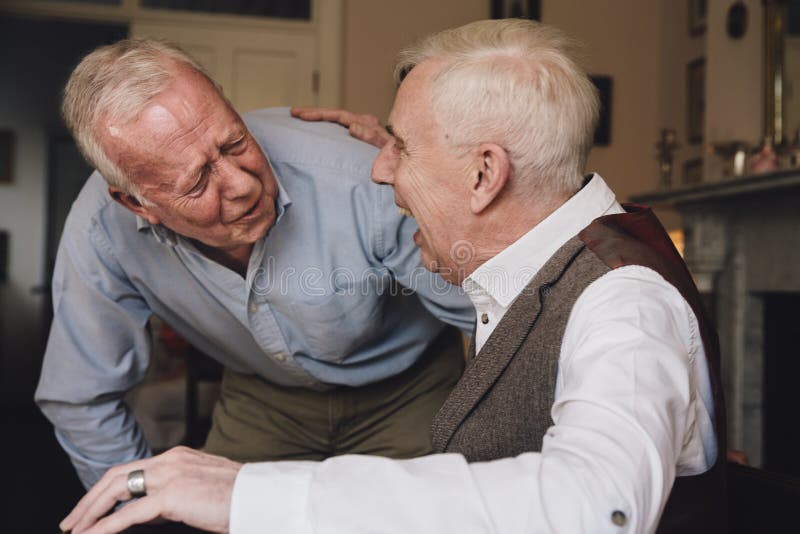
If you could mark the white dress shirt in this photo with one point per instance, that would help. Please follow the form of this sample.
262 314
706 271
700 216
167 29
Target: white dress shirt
632 410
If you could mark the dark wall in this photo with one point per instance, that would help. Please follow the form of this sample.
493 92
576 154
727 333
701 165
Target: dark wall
36 56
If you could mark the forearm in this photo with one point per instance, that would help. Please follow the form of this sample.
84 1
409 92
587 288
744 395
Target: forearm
358 494
440 493
98 349
96 437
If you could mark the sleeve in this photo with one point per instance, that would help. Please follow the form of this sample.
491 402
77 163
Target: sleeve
393 244
607 464
99 348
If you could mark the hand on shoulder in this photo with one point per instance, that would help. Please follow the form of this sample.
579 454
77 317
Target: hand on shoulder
362 126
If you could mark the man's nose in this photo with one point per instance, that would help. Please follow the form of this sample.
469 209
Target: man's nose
385 164
235 182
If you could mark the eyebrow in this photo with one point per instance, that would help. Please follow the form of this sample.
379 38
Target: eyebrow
398 140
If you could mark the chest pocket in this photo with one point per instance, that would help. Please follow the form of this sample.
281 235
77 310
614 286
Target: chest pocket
337 325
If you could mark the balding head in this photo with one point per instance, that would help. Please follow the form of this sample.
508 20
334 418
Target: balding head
515 83
112 85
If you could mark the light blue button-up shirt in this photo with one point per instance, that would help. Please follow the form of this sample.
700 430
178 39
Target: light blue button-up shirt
335 292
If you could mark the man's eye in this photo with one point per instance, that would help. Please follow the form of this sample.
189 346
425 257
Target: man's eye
198 189
202 180
236 145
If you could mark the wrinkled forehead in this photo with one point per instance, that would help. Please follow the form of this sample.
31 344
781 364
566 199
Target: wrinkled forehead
187 102
413 116
412 103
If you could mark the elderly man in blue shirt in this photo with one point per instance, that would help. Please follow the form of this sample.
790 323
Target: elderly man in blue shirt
262 241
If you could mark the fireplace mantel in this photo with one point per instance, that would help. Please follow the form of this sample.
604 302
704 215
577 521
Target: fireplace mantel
725 191
742 243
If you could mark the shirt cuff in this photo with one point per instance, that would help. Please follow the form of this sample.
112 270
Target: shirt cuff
271 497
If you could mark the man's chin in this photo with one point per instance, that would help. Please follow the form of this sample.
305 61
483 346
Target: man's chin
261 227
247 236
447 273
429 263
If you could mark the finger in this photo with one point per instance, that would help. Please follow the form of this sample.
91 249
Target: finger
373 135
369 119
69 522
105 501
299 111
141 511
101 487
158 473
340 116
319 114
303 111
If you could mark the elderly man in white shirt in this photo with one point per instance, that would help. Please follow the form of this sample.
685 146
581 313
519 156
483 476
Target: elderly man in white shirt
591 401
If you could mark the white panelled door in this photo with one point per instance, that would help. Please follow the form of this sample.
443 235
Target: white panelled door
257 67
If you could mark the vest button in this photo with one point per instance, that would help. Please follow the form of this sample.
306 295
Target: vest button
618 518
484 318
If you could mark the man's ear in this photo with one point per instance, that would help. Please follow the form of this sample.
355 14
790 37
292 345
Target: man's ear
133 204
491 176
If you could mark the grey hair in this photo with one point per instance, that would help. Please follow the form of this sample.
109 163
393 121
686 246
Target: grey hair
115 83
516 83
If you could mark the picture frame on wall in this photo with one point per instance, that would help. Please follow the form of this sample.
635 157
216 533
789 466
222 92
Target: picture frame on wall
514 9
695 100
604 85
6 156
4 248
698 11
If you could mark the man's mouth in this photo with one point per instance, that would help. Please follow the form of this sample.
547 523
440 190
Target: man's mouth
253 211
405 212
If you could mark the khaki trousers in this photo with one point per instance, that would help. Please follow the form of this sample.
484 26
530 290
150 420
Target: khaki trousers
255 420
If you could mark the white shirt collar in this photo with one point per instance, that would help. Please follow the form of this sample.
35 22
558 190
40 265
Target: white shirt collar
505 275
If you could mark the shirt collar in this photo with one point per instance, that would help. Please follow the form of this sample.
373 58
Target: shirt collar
166 236
505 275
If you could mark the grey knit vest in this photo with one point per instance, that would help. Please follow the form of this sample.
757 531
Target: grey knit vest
501 406
506 393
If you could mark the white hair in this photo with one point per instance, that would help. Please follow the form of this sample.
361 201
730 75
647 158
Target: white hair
115 83
516 83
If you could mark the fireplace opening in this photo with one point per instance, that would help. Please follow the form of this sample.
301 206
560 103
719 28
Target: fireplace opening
781 383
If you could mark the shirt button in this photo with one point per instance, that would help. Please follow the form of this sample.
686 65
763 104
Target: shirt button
281 357
253 308
618 518
484 318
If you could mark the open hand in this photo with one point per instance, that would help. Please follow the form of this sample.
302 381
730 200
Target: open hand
362 126
182 485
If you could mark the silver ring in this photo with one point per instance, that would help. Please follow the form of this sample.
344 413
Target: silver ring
136 483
